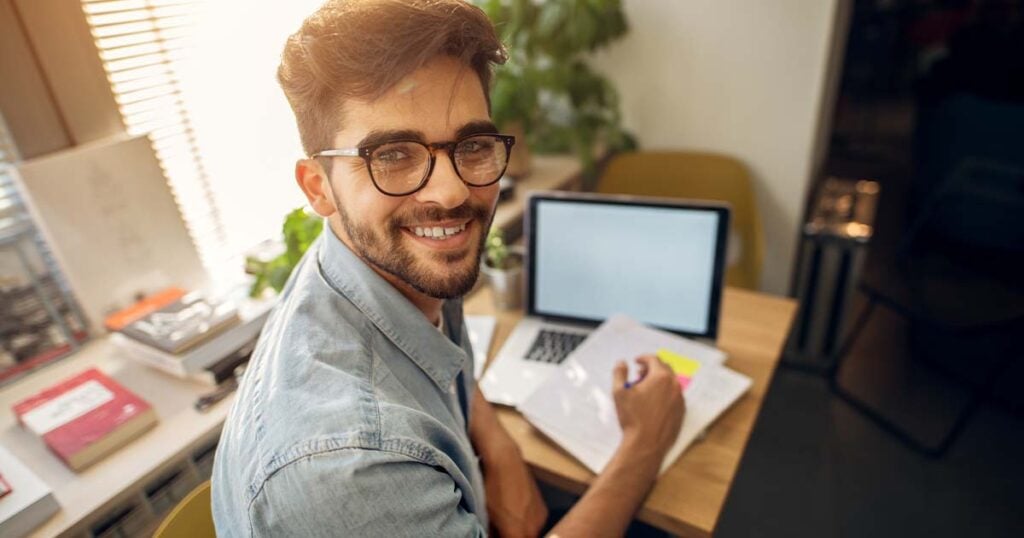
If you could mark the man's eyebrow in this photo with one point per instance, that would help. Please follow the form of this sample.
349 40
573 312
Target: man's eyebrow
374 138
380 137
476 127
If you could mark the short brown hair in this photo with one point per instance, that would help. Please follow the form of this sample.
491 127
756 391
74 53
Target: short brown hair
361 48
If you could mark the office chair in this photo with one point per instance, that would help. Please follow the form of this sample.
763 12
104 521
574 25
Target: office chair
191 518
694 175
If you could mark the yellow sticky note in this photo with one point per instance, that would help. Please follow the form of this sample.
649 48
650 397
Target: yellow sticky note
680 365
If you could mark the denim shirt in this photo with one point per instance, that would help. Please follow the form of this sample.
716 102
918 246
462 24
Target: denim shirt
352 416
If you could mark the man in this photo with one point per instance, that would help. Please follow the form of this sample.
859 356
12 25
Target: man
358 415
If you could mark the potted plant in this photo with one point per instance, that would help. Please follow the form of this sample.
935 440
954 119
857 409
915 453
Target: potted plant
503 266
300 229
547 88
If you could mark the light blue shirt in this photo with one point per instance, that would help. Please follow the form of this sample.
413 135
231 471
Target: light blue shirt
352 417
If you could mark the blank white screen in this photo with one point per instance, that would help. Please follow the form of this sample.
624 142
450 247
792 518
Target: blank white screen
654 264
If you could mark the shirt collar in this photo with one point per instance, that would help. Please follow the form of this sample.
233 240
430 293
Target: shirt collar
394 315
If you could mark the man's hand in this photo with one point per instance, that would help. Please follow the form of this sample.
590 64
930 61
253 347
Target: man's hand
514 504
651 414
651 409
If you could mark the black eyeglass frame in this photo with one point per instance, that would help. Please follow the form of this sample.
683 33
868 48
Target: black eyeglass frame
366 152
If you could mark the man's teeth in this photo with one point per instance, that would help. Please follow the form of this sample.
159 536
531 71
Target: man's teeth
437 232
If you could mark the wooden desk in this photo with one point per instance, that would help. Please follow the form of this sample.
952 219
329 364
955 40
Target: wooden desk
688 498
89 496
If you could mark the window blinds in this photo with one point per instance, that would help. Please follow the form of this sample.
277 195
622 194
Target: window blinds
141 44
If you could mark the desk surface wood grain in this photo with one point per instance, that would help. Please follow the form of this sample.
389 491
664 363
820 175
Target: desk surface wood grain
688 499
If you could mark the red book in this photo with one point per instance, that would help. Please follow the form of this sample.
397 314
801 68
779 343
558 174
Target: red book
85 418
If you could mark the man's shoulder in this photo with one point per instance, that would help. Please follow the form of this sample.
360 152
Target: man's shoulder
308 384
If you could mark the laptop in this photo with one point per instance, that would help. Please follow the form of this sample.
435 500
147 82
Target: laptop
590 256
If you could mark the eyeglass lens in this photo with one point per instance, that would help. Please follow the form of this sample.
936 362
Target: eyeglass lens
400 167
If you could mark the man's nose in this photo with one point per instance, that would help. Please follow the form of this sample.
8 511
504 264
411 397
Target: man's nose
444 187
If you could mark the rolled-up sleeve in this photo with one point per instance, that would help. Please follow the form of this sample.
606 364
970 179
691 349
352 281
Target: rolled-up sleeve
360 492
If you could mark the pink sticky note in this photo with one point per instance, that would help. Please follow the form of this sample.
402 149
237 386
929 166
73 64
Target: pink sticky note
684 381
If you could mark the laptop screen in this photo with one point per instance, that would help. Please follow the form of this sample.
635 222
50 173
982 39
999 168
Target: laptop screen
658 262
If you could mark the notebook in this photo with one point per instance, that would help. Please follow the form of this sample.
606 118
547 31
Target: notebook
574 406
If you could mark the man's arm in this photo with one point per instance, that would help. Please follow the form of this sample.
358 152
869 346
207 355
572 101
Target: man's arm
514 503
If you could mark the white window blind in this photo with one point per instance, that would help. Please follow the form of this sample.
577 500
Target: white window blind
142 44
200 80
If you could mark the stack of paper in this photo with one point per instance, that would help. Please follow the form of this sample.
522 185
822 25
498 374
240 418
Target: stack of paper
575 407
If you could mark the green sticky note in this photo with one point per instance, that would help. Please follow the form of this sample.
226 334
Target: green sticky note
684 366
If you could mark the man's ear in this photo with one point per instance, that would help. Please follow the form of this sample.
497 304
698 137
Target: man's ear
313 181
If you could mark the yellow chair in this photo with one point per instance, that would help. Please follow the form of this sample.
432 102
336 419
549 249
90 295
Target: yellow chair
191 518
701 176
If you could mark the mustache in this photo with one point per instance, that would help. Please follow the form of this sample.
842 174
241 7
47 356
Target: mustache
464 211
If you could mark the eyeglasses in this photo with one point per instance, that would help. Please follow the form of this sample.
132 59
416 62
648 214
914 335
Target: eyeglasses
402 167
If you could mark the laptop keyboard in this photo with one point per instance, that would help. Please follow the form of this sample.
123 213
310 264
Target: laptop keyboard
553 346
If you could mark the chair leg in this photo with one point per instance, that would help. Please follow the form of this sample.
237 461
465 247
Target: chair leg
889 425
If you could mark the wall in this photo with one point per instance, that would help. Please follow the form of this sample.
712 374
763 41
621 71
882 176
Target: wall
741 77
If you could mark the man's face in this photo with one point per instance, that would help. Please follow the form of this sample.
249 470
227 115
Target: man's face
438 103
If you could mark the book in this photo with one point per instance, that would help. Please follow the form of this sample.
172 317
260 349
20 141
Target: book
28 503
183 324
575 407
142 308
86 417
193 363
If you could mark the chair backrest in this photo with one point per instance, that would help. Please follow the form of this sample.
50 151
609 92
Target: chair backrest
702 176
191 518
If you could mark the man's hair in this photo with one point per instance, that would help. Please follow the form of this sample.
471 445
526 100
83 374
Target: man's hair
361 48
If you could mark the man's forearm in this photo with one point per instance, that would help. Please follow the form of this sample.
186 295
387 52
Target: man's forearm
615 495
488 436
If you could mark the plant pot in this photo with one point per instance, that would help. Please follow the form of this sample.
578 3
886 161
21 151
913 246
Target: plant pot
506 284
519 163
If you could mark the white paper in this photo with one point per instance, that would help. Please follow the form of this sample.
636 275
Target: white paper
481 330
575 406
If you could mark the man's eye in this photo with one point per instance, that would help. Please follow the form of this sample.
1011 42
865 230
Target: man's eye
390 156
475 146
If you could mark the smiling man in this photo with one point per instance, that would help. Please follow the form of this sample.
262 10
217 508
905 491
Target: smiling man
358 415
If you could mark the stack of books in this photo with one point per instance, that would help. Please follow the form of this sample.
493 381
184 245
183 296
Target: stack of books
188 335
86 417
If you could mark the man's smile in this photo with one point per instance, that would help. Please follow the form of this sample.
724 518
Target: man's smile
445 235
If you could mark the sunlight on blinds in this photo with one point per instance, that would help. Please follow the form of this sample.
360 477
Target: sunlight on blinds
200 79
142 44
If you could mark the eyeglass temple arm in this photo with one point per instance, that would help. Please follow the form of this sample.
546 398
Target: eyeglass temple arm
345 152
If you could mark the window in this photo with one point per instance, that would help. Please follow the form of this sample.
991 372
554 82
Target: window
141 44
198 77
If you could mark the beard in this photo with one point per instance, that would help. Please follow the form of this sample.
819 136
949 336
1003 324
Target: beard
385 249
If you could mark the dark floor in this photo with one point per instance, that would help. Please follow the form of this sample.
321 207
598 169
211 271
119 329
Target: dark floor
815 467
